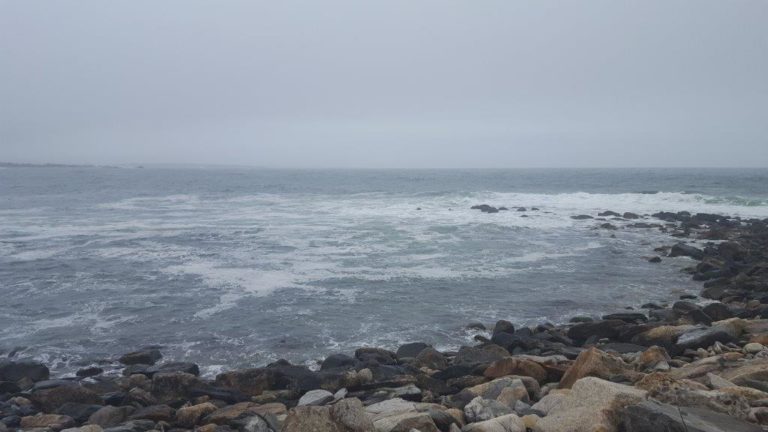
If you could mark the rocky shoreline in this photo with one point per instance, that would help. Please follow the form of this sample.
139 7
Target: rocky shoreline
695 365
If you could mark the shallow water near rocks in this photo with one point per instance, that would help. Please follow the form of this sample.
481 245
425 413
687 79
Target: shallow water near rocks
239 267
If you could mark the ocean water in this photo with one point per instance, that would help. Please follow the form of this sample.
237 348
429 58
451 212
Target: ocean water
239 267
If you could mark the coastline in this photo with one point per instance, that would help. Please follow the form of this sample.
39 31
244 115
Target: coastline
661 366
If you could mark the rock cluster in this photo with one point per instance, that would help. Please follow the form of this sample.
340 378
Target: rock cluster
689 366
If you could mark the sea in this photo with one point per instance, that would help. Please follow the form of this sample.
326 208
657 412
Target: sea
238 267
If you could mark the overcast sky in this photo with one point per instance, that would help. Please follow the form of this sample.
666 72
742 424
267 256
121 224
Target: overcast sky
395 83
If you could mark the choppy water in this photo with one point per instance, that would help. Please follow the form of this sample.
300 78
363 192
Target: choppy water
238 267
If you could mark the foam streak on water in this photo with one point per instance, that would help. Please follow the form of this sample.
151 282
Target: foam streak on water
234 268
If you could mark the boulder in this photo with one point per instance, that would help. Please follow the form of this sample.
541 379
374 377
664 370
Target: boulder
15 371
653 416
654 358
376 356
473 355
505 423
630 317
49 399
110 416
156 413
515 366
169 387
411 349
189 416
171 367
503 326
682 249
316 397
54 422
79 412
756 370
723 332
334 361
599 329
147 356
718 311
596 363
592 405
506 388
350 416
310 418
432 359
406 422
229 413
479 409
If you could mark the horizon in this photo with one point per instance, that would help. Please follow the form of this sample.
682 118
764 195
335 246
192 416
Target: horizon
401 84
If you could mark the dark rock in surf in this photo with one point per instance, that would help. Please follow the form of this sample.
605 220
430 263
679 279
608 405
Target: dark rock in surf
147 356
682 249
15 371
411 349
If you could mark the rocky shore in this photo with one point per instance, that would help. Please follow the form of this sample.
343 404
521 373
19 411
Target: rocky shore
699 364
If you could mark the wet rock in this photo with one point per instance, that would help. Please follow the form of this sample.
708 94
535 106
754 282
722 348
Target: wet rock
376 356
148 356
654 259
596 363
654 416
485 208
172 367
334 361
598 329
15 371
609 213
54 422
169 387
89 372
717 311
432 359
682 249
503 326
630 317
411 349
705 337
630 215
473 355
515 366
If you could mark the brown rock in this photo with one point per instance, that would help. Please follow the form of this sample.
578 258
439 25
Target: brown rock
55 422
654 357
109 416
431 358
244 409
172 386
50 399
189 416
594 362
515 366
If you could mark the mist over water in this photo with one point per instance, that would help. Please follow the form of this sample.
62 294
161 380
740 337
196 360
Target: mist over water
239 267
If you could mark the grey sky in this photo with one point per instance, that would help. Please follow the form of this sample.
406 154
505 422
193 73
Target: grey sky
396 83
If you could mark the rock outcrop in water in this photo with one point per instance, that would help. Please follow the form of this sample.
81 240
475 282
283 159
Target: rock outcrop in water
691 366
